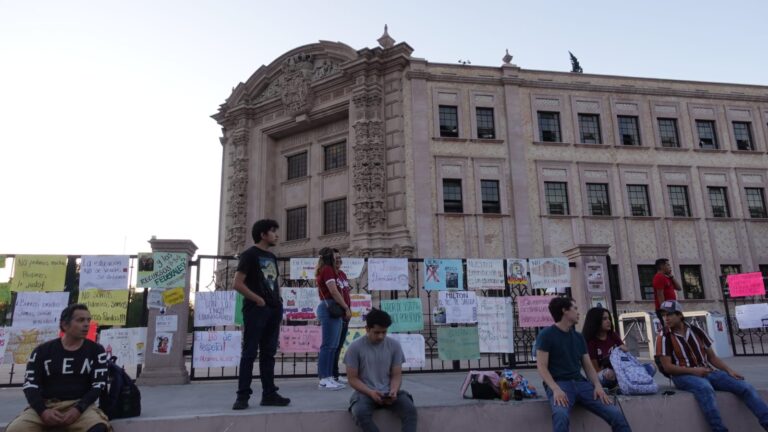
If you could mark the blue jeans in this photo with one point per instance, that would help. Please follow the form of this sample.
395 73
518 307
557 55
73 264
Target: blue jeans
583 392
342 338
331 328
703 390
362 406
261 331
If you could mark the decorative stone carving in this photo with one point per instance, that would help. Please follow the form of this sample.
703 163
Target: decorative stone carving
293 83
369 170
237 188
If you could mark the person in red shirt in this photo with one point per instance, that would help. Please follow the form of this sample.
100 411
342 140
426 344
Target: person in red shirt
345 292
664 286
331 323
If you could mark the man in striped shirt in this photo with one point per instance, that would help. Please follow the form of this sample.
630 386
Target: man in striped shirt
687 357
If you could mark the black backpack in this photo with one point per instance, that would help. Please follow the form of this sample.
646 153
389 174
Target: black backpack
122 398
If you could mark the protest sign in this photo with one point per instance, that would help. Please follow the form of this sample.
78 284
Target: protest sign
495 326
533 311
458 306
552 274
104 272
300 303
166 323
35 273
217 349
458 343
406 314
352 267
300 339
127 344
752 316
413 348
20 342
388 274
302 268
39 309
106 307
442 274
163 270
361 305
746 284
517 272
215 308
485 274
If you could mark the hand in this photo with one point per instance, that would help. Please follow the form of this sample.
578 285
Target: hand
392 397
52 417
260 301
70 416
376 396
560 398
700 371
624 348
347 313
600 394
735 375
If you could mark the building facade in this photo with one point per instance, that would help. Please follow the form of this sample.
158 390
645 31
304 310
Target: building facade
380 153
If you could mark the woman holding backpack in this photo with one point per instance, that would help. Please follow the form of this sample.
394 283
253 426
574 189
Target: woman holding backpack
331 311
601 341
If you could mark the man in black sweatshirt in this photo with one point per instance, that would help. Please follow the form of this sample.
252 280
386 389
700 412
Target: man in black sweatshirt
64 378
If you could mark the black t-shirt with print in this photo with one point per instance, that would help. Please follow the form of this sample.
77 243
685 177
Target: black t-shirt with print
261 274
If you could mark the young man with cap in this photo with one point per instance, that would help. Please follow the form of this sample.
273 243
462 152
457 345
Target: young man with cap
686 355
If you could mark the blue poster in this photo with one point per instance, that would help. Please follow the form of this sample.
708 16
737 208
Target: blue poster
443 274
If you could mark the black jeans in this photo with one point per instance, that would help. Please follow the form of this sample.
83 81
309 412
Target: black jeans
261 331
344 330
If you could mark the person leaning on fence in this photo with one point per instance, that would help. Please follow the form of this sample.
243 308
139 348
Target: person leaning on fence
561 353
685 354
331 311
64 379
375 370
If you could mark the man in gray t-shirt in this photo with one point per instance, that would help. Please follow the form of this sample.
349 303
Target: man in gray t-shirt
375 370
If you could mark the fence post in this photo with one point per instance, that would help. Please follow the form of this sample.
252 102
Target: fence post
170 368
590 284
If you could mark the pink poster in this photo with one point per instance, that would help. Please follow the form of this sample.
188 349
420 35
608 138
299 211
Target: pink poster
300 339
533 311
746 284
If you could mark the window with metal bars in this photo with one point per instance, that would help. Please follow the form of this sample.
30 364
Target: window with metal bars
629 130
638 200
449 121
589 126
297 165
549 126
296 223
485 124
489 190
335 216
707 135
597 199
678 199
756 202
693 285
668 132
335 155
452 201
742 131
718 200
556 196
646 273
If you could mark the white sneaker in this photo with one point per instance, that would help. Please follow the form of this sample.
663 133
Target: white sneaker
329 384
341 380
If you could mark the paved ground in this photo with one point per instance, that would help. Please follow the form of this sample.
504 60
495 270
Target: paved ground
429 389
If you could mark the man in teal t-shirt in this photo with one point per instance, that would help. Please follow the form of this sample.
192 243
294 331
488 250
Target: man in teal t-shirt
561 353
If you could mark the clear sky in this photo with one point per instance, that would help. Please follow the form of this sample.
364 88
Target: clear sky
105 134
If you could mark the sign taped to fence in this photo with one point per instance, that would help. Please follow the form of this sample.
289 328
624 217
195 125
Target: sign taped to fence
746 284
39 309
215 308
458 343
533 311
441 274
517 272
303 268
300 339
485 274
413 348
300 304
388 274
595 277
495 325
361 305
22 341
173 296
552 274
127 344
106 307
104 272
163 270
752 315
406 314
163 343
34 273
352 267
166 323
458 306
217 349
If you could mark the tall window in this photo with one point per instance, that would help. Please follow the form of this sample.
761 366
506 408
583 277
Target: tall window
764 270
449 121
490 195
485 125
335 155
718 200
589 126
556 194
638 200
756 202
296 221
668 132
678 198
743 133
297 165
707 135
629 130
693 286
335 216
452 196
549 126
729 269
646 274
597 198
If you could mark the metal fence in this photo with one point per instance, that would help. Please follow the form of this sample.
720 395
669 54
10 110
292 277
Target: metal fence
744 341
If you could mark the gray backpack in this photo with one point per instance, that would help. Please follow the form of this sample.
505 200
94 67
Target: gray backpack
632 377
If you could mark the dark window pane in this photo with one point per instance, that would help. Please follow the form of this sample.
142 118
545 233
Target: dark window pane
597 198
335 155
335 216
485 125
449 121
297 165
638 200
764 271
718 200
549 126
693 286
756 202
490 196
629 131
743 133
707 137
452 202
678 198
556 194
296 220
728 269
589 126
668 132
645 274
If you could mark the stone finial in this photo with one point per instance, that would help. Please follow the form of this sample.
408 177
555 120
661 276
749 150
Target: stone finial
507 58
386 40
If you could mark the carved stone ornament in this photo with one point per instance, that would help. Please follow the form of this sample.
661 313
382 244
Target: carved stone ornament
237 188
292 85
369 174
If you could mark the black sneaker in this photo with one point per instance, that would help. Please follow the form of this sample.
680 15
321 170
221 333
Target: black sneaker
274 399
240 404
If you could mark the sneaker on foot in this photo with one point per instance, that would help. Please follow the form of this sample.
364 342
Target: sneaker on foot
329 384
340 380
274 399
240 404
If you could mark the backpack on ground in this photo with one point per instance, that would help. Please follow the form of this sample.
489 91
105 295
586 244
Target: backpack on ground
484 385
121 398
632 377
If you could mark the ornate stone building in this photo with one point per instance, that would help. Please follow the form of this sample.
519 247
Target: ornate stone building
381 153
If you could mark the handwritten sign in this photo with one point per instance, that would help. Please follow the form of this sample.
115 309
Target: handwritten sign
5 293
105 272
752 316
300 303
155 299
495 326
517 272
39 273
215 308
216 349
485 274
37 309
361 304
387 274
746 284
551 274
21 342
352 267
106 307
458 306
413 348
127 344
173 296
458 343
533 311
166 323
595 277
406 314
440 274
300 339
162 270
303 268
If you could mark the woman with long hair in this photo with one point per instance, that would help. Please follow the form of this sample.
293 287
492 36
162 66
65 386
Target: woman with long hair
330 311
602 339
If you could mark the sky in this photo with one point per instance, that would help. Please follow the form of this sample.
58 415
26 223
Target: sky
105 132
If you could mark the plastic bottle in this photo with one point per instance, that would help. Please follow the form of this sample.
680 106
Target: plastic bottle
504 389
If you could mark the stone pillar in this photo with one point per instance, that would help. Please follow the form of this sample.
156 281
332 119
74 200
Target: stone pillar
171 368
590 284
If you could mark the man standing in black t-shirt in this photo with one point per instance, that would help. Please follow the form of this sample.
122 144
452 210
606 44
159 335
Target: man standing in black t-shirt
256 280
64 378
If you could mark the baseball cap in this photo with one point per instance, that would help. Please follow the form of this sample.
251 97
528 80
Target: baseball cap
671 306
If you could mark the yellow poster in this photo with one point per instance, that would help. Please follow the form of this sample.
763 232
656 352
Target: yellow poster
173 296
5 294
106 307
39 273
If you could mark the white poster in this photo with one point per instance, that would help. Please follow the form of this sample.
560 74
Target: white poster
352 267
300 304
215 308
485 274
217 349
155 299
303 268
105 272
127 344
459 307
495 324
20 342
595 277
39 309
387 274
552 274
163 343
413 348
166 323
361 305
752 315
